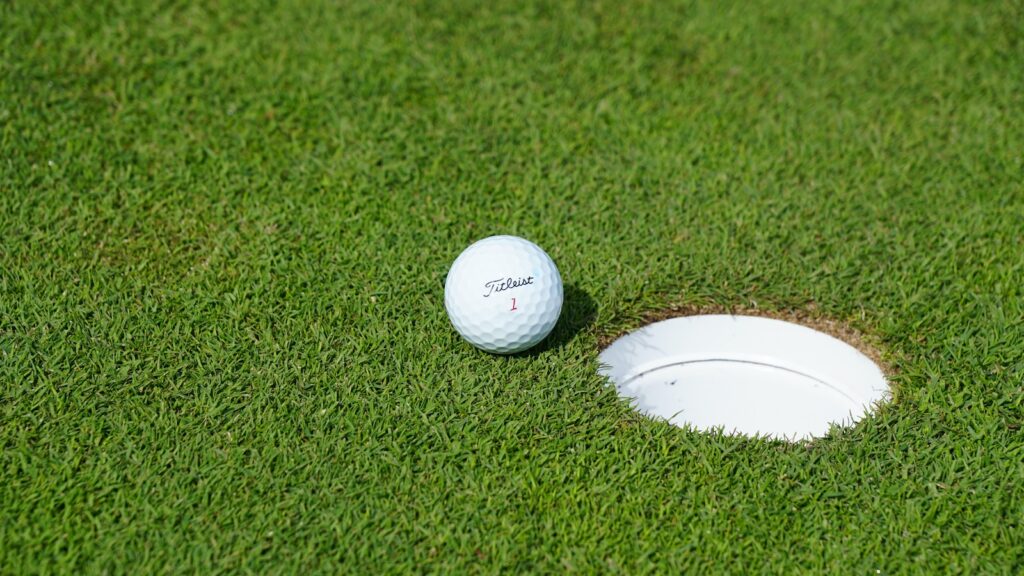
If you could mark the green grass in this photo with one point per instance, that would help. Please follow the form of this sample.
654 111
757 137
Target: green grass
225 229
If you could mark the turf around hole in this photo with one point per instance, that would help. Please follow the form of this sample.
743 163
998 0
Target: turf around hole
225 226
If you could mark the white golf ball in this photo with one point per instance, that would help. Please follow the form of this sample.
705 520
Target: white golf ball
503 294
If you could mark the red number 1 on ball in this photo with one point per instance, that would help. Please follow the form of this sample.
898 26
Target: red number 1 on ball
514 304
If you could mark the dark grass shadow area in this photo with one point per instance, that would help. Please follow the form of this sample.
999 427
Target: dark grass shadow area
578 311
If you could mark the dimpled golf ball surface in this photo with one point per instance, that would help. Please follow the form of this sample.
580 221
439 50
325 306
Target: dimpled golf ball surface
503 294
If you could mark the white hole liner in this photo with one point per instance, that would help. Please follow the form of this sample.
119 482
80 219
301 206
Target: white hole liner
743 374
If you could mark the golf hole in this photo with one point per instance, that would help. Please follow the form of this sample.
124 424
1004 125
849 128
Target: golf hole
744 375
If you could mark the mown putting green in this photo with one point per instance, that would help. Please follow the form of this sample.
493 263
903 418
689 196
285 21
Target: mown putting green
226 227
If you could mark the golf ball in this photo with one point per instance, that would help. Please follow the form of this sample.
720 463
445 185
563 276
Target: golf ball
503 294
